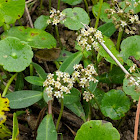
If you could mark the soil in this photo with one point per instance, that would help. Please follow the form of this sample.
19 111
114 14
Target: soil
70 123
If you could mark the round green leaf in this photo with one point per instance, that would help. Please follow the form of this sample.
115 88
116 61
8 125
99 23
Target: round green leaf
75 17
41 22
115 104
130 90
130 47
36 38
103 15
96 130
10 10
72 2
15 55
110 45
23 98
46 130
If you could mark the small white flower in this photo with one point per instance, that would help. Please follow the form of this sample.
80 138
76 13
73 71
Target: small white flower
49 89
57 94
83 80
86 33
63 88
50 76
70 85
84 41
59 73
87 96
65 79
123 23
138 79
57 84
66 75
88 72
135 4
76 74
88 47
45 83
91 30
51 81
98 34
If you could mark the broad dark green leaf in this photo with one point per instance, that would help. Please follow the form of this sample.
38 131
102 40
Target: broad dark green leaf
72 2
115 104
75 17
34 80
36 38
15 135
130 47
41 22
67 65
73 97
40 71
77 109
46 130
23 98
10 10
97 130
15 55
107 29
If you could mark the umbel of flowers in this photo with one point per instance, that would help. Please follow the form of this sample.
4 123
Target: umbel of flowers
89 38
121 19
55 17
60 83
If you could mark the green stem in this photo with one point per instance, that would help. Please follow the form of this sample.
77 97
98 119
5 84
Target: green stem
89 113
58 37
41 3
49 5
57 64
60 114
8 84
99 13
86 4
119 40
58 5
31 70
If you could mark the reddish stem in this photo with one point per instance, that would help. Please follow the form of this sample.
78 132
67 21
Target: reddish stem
137 121
50 107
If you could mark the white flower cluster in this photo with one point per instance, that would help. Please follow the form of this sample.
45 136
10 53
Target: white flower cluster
89 38
61 83
55 17
121 19
58 85
85 75
87 96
